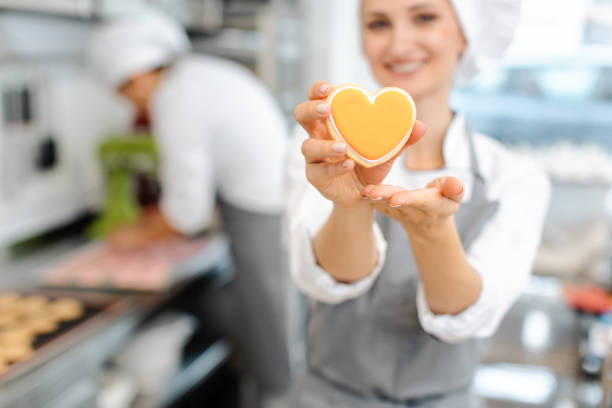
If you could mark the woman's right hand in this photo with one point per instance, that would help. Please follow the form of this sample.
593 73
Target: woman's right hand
328 169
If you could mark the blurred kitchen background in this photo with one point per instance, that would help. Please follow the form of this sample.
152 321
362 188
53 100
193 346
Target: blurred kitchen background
550 99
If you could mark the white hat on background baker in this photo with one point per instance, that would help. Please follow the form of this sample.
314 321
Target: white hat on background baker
128 45
489 27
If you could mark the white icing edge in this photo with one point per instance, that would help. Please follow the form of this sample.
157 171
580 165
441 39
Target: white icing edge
372 99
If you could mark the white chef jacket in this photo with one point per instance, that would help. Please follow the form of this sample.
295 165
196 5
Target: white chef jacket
502 254
218 130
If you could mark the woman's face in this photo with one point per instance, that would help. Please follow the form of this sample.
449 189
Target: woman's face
412 44
139 90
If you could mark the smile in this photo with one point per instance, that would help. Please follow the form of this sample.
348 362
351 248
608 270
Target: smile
408 68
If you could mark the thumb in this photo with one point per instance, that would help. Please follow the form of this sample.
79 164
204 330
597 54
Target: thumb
452 188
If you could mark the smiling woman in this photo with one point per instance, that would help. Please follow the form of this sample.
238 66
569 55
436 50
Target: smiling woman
413 45
406 276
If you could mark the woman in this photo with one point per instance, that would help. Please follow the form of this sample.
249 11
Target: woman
405 277
219 133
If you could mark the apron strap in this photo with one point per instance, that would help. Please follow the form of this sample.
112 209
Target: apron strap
478 189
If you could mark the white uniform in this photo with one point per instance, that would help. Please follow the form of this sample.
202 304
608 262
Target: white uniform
220 135
502 253
218 130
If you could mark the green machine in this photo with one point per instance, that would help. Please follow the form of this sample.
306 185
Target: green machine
123 156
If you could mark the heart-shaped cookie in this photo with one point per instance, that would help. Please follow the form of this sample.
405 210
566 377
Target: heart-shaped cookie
374 127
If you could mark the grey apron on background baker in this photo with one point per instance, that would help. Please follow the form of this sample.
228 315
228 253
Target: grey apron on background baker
261 286
371 352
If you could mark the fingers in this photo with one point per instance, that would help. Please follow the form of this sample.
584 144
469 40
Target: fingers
319 151
421 199
452 188
321 173
428 198
399 196
311 114
449 187
382 192
418 131
319 90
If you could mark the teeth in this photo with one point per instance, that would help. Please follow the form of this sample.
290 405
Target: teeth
406 68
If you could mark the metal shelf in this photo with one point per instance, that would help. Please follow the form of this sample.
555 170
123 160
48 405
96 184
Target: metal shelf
197 371
69 8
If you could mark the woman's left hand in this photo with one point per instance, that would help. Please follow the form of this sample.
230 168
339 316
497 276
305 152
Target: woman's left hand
417 210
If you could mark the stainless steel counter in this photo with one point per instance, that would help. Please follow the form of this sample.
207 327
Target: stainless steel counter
534 358
64 373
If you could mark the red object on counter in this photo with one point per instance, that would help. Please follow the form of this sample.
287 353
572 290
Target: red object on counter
588 298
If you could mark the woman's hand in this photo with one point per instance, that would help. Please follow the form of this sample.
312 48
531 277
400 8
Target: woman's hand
151 229
422 210
328 169
450 283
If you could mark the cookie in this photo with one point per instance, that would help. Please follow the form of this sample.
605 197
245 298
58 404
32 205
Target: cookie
374 127
8 298
32 304
67 309
15 353
38 324
16 335
8 318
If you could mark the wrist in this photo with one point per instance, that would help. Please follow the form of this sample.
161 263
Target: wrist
431 232
353 218
360 208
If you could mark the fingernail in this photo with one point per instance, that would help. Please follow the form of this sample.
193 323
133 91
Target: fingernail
395 205
346 163
323 108
324 88
375 198
339 147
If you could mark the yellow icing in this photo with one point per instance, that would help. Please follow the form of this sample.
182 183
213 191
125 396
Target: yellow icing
372 129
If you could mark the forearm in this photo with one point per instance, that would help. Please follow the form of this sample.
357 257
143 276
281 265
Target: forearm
451 285
345 246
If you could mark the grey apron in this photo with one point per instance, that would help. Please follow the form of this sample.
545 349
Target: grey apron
371 352
261 283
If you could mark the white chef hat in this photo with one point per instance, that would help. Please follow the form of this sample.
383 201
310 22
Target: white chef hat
128 45
489 27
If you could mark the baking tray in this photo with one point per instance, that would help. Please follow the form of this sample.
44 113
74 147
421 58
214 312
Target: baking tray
98 308
157 268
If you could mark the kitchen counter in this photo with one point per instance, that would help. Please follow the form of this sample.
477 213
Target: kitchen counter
534 358
64 372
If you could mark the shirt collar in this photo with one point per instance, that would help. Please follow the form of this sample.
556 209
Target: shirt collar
457 161
456 145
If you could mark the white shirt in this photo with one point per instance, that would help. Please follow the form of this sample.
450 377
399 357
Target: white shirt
502 254
218 130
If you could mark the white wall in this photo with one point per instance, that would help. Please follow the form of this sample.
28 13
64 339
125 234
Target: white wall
333 43
549 29
33 35
46 54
